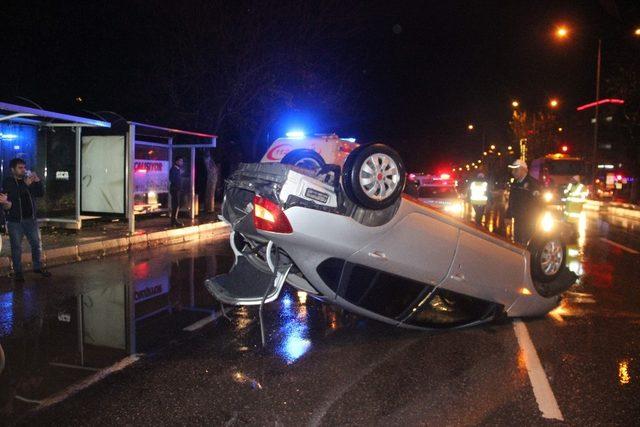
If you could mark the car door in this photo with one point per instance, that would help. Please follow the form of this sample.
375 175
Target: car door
420 246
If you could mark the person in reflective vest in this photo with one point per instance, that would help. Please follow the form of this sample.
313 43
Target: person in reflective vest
478 196
574 196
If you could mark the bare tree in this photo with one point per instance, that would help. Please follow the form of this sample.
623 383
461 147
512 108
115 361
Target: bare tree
234 67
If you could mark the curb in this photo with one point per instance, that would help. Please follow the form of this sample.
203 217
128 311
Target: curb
76 253
620 209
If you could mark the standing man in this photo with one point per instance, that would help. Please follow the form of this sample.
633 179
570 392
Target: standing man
213 170
478 196
21 188
175 189
524 202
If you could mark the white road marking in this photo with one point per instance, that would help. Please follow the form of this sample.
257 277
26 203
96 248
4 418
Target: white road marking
618 245
539 381
98 376
205 321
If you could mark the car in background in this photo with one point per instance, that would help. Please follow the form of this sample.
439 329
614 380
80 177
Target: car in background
311 152
554 172
438 191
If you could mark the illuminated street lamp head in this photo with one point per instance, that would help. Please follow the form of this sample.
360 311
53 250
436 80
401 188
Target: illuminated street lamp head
484 153
493 147
636 32
553 103
560 129
470 126
562 32
515 104
509 148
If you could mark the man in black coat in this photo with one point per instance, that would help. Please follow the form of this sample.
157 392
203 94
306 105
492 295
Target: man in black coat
21 189
525 205
175 189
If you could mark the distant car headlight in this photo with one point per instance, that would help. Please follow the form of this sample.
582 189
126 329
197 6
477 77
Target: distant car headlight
547 223
548 196
454 208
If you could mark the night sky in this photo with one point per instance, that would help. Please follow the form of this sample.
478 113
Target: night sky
418 72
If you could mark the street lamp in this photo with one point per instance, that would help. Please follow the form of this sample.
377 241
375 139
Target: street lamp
553 103
493 147
515 104
562 32
636 32
471 127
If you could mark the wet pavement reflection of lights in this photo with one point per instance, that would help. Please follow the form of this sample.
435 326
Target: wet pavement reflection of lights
242 318
241 378
560 311
623 372
294 341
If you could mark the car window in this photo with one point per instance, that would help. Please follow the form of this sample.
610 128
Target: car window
437 192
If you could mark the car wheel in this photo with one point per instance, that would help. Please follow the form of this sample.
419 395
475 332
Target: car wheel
548 258
373 176
303 158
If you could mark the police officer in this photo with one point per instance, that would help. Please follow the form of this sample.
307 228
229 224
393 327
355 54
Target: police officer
524 202
574 196
478 196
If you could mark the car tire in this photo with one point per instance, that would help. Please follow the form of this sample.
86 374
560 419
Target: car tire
373 176
548 258
304 158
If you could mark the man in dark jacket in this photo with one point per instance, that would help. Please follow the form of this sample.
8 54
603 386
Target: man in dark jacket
524 202
175 189
21 189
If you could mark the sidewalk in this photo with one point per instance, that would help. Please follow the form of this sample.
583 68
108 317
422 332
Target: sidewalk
102 238
616 208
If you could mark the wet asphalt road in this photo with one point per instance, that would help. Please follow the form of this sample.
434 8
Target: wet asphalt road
321 366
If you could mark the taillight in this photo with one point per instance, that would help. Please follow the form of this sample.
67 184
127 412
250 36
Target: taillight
268 216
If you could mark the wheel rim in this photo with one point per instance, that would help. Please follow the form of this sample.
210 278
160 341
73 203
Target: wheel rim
308 163
379 176
551 257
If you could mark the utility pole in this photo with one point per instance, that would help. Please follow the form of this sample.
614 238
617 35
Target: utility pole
597 118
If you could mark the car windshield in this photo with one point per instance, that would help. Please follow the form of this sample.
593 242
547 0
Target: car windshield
437 192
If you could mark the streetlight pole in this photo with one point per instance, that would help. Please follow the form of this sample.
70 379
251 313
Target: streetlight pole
597 118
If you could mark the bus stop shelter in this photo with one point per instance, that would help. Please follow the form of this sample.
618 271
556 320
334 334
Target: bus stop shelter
50 143
146 143
99 168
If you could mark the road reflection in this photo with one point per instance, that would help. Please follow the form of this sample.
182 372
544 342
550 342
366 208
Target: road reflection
293 339
56 336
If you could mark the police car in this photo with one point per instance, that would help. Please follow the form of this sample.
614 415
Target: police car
310 152
438 191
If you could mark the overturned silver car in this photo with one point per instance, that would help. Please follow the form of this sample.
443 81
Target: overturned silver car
347 235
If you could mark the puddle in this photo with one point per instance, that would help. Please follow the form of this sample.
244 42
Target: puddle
53 338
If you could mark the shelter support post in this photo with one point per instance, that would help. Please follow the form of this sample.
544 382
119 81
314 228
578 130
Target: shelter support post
131 151
78 176
193 183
